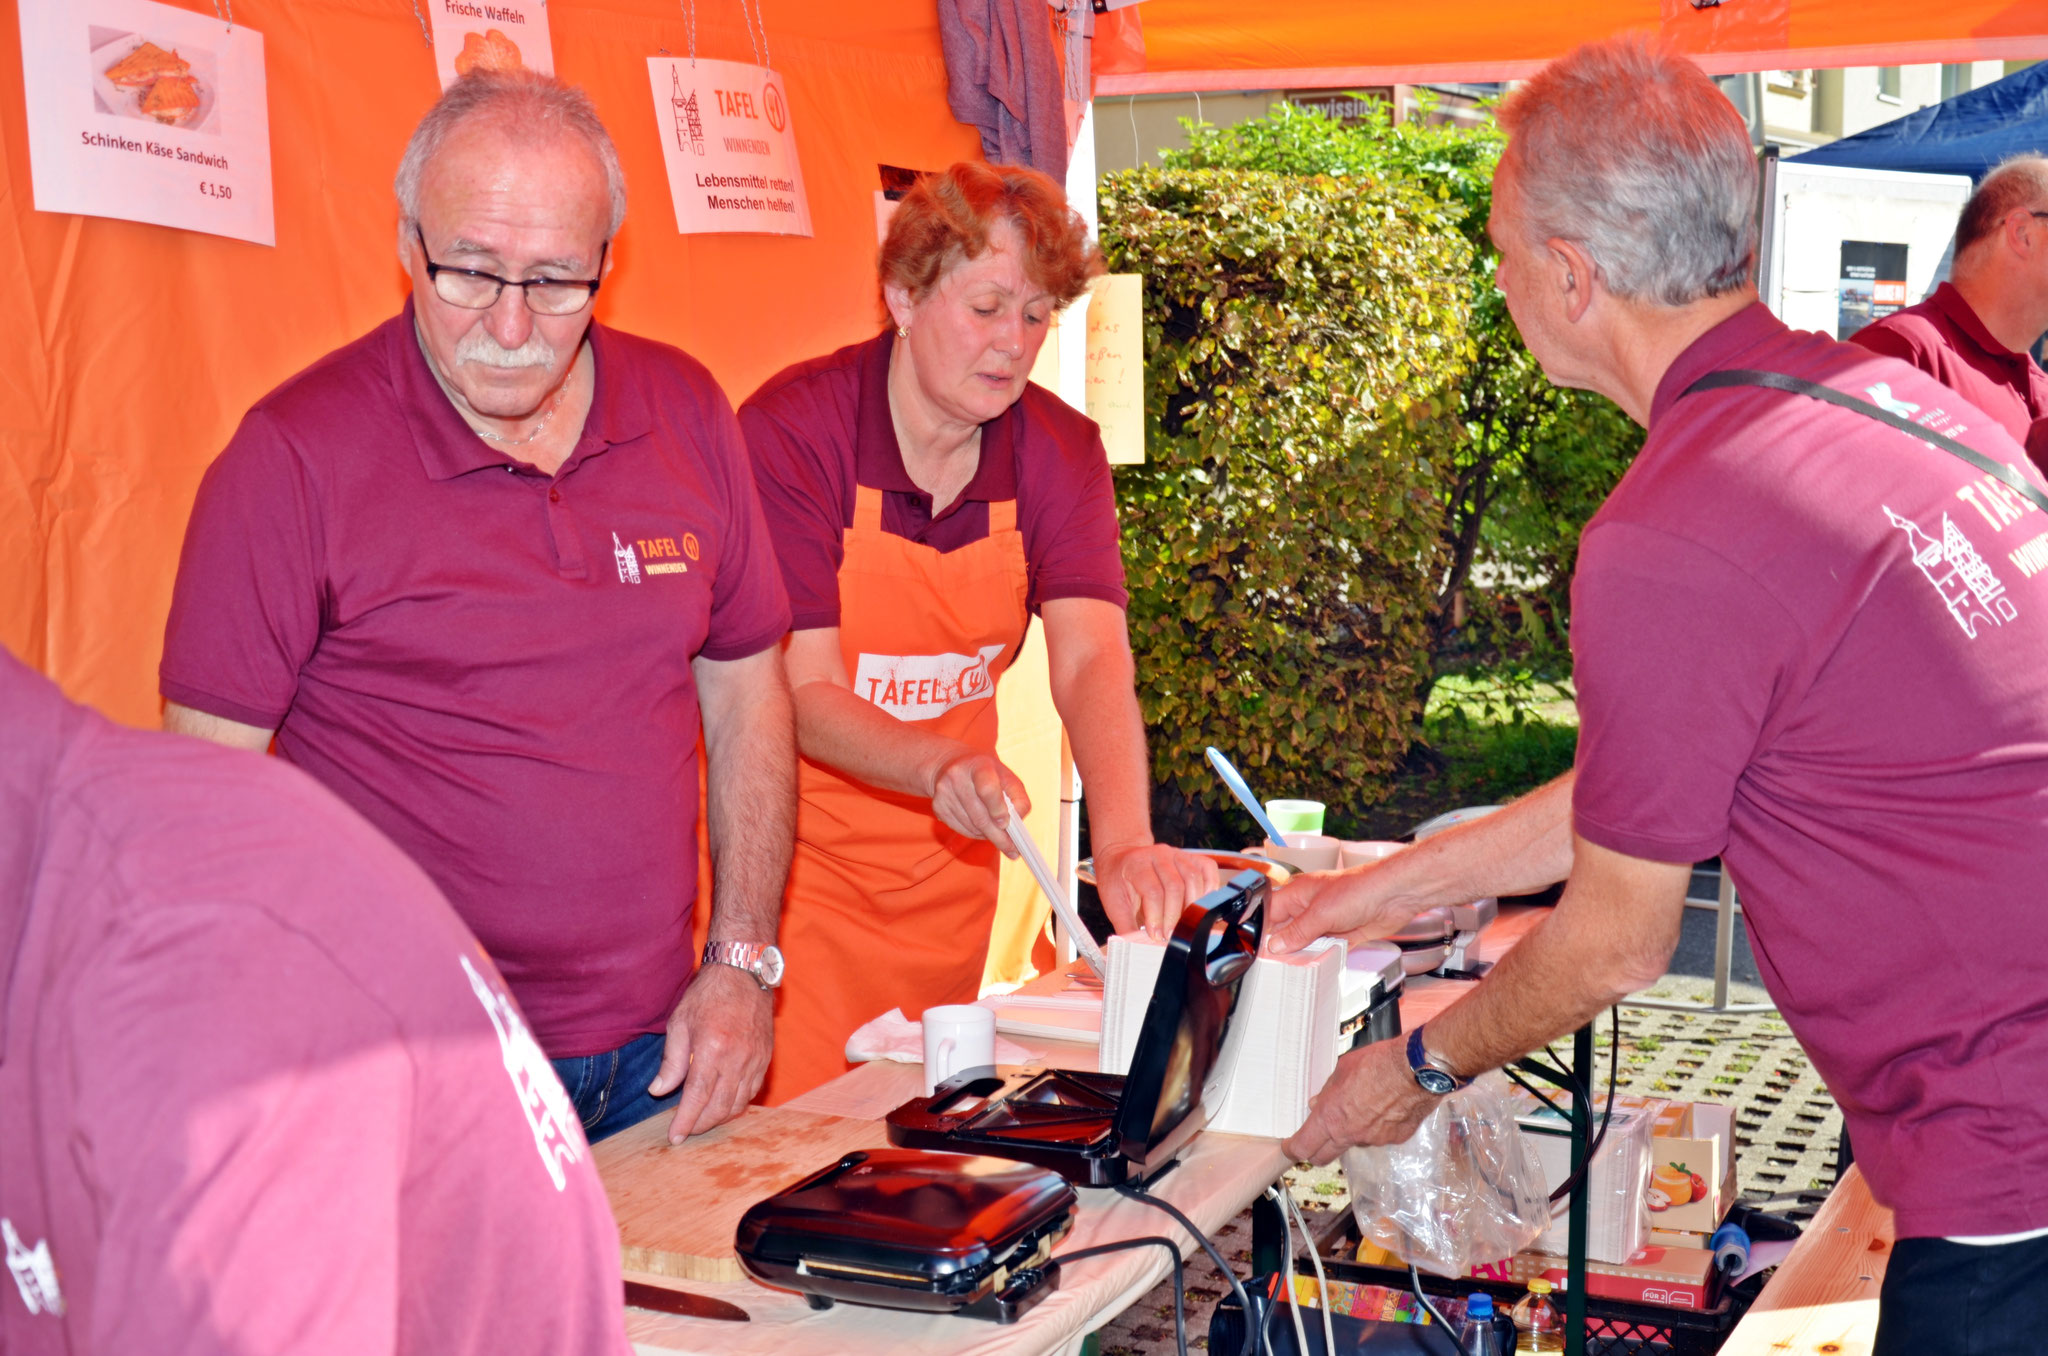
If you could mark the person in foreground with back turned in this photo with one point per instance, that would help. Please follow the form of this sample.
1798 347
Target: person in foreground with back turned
1797 646
926 499
260 1090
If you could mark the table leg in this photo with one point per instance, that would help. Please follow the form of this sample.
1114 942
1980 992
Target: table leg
1269 1236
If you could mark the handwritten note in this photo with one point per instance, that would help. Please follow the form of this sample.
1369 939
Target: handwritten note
1116 365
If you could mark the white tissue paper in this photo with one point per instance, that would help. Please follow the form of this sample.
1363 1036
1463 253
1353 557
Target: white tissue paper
1289 1008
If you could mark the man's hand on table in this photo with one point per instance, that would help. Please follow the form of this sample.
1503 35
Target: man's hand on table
1371 1099
719 1038
1147 884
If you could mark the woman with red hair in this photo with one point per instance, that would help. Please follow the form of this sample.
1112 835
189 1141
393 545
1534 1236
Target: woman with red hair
926 500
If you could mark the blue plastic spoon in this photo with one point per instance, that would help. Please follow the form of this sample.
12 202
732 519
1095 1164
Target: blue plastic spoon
1244 795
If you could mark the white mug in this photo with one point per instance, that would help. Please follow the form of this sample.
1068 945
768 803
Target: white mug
957 1037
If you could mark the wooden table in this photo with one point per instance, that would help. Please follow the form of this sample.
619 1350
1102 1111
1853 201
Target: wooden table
1823 1298
1218 1177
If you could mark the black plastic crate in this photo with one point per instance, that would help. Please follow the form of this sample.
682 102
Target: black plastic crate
1613 1327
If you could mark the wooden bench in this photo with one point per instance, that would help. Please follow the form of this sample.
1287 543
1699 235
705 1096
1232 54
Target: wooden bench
1823 1298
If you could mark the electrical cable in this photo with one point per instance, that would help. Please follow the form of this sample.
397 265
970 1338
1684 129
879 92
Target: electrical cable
1215 1254
1578 1088
1444 1324
1322 1280
1180 1289
1276 1195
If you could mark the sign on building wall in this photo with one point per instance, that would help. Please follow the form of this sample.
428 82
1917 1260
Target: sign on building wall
1873 284
729 147
149 113
490 35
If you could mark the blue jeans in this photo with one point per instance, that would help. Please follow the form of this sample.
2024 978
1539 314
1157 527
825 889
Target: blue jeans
610 1090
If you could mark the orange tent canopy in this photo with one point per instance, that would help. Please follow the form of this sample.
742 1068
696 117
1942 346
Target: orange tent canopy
1325 44
129 352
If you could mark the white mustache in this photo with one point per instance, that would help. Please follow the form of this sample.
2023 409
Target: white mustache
478 347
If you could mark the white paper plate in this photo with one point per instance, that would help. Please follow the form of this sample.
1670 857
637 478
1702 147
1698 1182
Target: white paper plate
127 103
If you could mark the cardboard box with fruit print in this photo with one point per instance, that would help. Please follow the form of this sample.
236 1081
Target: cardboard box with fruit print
1692 1177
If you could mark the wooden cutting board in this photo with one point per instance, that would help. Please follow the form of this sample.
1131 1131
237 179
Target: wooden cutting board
678 1206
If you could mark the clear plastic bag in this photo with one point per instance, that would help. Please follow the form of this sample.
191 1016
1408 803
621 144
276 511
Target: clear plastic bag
1462 1191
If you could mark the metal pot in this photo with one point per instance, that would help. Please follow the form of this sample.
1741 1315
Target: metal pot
1425 941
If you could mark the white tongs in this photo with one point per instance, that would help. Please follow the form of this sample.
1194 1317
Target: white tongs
1084 942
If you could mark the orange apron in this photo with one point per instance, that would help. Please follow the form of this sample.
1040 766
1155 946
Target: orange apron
887 907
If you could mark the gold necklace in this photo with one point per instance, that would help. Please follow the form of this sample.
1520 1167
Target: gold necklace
538 429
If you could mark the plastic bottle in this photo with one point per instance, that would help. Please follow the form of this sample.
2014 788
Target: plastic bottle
1538 1325
1476 1335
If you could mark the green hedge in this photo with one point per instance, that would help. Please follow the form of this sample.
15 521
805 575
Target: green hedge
1304 337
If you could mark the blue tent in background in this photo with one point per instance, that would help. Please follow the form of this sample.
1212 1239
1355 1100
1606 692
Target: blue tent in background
1964 135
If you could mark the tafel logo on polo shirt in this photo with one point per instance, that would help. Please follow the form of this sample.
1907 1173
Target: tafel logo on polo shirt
1881 393
1964 579
557 1134
35 1274
921 686
652 555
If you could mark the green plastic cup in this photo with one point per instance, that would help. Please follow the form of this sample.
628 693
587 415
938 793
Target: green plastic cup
1296 816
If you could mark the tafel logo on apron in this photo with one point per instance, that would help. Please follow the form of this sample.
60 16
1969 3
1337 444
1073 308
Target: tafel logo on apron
921 686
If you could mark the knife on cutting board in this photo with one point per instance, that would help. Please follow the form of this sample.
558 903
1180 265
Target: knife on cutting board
662 1300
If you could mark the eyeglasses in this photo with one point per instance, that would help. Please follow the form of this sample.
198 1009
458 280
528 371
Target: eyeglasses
474 290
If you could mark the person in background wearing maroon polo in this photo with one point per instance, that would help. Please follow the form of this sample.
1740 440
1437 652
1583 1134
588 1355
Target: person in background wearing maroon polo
1798 646
479 573
260 1090
1975 334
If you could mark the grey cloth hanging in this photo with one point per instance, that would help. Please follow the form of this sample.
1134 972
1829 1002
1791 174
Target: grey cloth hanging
1003 77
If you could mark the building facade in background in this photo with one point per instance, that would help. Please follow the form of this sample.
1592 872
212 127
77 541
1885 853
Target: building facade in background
1792 109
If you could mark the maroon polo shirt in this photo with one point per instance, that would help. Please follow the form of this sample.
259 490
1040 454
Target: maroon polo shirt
260 1090
1943 337
492 665
820 427
1819 647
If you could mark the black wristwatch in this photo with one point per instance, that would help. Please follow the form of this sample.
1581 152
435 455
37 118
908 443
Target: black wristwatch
1430 1074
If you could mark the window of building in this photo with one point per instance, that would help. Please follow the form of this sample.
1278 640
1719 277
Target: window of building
1786 82
1888 82
1955 79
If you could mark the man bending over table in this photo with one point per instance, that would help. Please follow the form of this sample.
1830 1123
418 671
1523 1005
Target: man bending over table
478 572
1798 645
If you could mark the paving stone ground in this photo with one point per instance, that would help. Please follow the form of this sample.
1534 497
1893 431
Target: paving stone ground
1786 1132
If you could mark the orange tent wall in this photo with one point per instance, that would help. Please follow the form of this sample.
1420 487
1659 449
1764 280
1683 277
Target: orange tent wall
128 352
1319 44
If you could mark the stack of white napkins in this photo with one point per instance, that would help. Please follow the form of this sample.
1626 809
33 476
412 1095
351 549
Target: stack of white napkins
1618 1223
1284 1031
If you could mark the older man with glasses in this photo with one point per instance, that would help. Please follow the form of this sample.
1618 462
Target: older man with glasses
479 572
